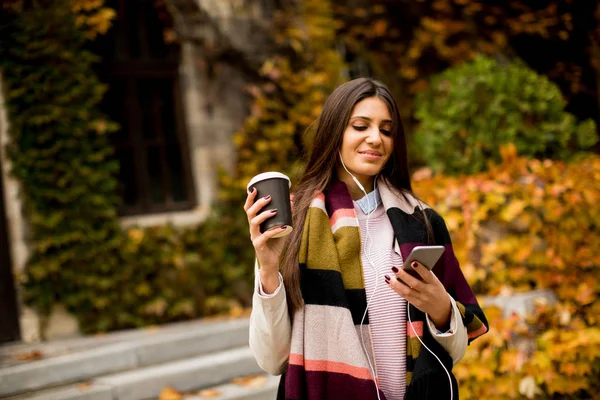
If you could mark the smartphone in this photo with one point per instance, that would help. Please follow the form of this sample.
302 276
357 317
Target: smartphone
426 255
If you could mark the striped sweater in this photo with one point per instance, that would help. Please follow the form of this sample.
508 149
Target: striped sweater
378 257
326 358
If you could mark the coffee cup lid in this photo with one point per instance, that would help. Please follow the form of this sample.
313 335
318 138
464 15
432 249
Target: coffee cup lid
267 175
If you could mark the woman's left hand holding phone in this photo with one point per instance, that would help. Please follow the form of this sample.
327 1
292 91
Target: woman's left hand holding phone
267 248
427 294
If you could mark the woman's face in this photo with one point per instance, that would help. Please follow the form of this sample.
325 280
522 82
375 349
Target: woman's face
367 143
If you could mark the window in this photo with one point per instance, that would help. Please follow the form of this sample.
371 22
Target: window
144 98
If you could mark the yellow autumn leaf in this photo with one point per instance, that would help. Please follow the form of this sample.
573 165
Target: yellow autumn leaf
169 393
512 210
86 5
136 235
585 294
209 393
379 27
453 220
82 387
253 381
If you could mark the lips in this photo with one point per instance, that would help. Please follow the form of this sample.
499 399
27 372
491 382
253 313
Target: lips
371 153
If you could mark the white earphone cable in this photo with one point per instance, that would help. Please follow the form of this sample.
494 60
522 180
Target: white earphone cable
362 340
423 344
368 253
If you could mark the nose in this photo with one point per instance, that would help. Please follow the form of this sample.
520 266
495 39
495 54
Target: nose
373 137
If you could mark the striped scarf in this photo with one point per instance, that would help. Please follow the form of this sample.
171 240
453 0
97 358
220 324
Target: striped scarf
327 360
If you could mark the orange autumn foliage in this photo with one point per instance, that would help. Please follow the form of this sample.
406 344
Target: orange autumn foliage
297 81
525 224
529 224
93 16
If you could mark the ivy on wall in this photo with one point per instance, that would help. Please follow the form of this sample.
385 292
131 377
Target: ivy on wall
80 257
111 278
60 154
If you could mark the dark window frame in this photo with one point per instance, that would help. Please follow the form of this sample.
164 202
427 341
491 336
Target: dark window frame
122 66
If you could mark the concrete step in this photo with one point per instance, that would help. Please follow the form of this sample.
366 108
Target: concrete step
184 376
522 304
231 391
127 354
82 391
9 352
95 391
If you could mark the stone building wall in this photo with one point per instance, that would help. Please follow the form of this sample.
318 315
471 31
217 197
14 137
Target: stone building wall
215 104
214 98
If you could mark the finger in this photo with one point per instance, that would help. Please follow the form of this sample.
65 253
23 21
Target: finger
409 294
260 241
258 204
259 219
424 272
250 199
409 280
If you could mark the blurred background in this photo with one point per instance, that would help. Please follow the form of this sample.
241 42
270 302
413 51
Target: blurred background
130 128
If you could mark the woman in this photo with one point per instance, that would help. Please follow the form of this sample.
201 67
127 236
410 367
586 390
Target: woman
334 321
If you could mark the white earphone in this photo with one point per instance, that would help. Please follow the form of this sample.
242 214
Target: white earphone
368 253
360 186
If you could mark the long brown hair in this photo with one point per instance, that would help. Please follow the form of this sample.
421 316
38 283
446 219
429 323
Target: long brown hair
321 167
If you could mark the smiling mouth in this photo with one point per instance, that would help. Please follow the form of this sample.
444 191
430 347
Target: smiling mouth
370 153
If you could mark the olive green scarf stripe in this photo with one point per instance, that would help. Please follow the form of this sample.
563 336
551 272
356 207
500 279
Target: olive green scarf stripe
348 245
317 248
413 347
471 321
408 377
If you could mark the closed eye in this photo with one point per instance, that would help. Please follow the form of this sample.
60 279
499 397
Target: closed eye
386 132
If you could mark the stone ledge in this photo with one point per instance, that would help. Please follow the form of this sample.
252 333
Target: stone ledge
66 369
520 303
64 346
231 391
94 357
71 392
182 375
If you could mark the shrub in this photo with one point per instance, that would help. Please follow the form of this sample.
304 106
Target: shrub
60 153
529 224
470 110
548 355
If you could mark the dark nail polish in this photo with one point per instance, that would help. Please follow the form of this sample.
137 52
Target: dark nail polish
395 270
387 277
387 281
267 197
414 264
284 227
273 211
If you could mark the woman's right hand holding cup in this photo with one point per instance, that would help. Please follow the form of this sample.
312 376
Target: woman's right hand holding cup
267 248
